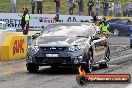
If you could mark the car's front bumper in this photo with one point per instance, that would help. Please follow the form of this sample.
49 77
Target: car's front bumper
63 59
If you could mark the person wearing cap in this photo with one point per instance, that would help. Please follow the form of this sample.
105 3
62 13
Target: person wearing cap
103 25
25 21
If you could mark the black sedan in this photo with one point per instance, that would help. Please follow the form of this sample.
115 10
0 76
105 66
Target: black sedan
68 44
122 27
112 21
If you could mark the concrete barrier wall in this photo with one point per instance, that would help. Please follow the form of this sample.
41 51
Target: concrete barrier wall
13 47
109 18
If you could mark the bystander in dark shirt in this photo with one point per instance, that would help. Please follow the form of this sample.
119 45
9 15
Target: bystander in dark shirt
39 7
90 5
80 4
57 3
105 5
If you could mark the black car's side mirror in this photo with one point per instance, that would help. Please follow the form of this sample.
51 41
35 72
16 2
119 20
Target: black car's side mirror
35 35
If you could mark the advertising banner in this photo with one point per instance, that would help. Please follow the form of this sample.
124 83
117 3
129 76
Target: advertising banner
40 21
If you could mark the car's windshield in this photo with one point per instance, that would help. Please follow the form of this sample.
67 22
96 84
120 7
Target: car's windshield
0 25
66 30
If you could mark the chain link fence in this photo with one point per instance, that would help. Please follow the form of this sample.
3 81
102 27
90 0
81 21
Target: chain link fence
49 7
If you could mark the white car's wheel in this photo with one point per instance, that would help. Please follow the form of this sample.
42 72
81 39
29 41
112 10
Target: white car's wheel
104 65
116 32
89 66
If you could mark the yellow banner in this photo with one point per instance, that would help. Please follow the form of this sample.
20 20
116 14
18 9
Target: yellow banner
14 47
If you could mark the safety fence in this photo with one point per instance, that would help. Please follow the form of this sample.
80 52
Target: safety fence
49 6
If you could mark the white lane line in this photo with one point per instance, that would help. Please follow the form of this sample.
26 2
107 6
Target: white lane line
130 86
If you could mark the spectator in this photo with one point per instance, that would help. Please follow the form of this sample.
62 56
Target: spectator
13 6
39 7
129 8
71 6
80 4
117 9
97 7
111 8
125 12
90 5
105 7
57 7
33 5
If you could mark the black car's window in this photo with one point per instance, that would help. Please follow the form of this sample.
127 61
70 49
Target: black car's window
129 22
123 22
67 30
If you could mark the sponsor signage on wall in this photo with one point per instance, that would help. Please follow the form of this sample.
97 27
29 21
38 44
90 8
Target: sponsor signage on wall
40 21
18 46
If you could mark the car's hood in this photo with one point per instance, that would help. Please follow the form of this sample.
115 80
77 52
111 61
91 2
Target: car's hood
59 40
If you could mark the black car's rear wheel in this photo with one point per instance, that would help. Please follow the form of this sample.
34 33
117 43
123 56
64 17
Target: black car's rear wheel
32 68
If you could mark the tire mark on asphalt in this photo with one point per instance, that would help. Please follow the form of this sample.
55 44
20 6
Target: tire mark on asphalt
116 65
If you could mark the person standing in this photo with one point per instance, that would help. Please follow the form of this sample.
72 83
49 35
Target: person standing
71 6
80 4
13 6
25 21
97 7
57 7
33 5
111 8
129 8
90 5
125 12
117 9
103 25
105 7
39 7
